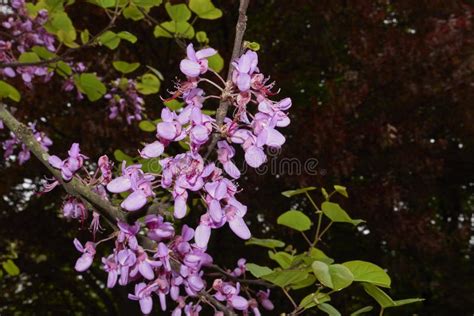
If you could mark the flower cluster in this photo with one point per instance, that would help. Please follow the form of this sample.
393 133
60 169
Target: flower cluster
135 181
124 100
70 165
25 32
24 154
174 269
171 265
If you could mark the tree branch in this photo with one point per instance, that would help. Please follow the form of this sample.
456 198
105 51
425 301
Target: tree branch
73 187
236 51
80 190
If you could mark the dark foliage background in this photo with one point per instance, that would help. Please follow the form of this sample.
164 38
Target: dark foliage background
382 97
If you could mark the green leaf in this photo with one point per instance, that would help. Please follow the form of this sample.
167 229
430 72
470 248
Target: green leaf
178 12
85 36
310 280
258 271
42 52
380 296
109 39
362 310
29 57
147 3
151 165
286 277
336 214
104 3
201 37
284 259
173 104
91 85
127 36
121 156
180 29
63 69
314 299
9 91
252 46
165 29
321 271
291 193
408 301
133 13
364 271
328 309
335 276
205 9
384 300
61 25
147 126
148 84
341 190
268 243
216 62
317 254
10 267
325 194
125 67
296 220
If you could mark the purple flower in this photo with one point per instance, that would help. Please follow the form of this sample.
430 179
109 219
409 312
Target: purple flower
244 67
196 63
88 252
111 266
170 128
74 208
135 180
224 153
227 292
143 296
105 166
263 298
70 165
157 228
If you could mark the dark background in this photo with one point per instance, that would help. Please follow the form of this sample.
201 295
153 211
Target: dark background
382 98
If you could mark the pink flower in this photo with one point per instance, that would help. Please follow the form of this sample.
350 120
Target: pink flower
88 252
196 63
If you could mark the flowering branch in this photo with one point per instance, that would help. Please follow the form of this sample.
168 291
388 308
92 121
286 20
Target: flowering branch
78 189
73 187
236 51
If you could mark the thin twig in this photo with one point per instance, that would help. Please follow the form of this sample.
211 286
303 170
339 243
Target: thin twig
244 281
236 51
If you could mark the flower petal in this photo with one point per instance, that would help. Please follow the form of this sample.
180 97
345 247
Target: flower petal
146 304
255 156
166 130
202 235
119 185
55 161
206 52
83 263
190 68
231 169
134 201
152 150
238 302
238 226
